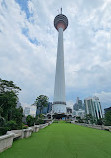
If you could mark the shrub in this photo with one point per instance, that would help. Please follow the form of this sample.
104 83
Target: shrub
39 121
24 126
11 125
3 130
80 121
99 122
108 118
30 120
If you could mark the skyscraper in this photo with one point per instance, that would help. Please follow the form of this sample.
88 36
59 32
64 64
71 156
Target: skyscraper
93 107
59 101
78 105
27 111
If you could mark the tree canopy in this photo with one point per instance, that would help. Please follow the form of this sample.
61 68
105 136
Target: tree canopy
8 99
8 86
10 115
41 102
108 118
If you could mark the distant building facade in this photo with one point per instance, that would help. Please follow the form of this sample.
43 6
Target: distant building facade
45 109
68 110
27 111
79 113
93 107
78 105
79 108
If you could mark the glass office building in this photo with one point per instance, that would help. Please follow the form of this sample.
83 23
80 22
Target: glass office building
93 107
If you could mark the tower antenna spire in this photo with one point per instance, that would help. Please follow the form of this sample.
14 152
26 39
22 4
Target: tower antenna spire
61 10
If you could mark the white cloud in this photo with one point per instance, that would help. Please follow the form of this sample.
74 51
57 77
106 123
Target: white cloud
105 98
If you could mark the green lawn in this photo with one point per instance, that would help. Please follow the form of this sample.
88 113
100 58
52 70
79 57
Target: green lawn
62 140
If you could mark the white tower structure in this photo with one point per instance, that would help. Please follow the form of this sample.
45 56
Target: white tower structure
59 101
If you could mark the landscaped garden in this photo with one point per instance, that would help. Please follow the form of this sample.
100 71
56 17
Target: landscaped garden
62 140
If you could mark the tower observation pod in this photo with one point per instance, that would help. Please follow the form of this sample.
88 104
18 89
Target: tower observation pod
59 101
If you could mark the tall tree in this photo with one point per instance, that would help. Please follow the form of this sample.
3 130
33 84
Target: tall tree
8 86
108 118
8 98
41 102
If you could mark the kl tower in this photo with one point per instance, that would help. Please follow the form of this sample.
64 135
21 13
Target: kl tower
59 101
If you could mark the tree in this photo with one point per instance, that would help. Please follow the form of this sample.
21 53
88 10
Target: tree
10 116
99 121
8 101
41 102
8 86
8 98
108 118
79 120
30 120
17 114
89 119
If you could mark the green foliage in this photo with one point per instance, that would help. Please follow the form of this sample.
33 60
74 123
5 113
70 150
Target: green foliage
12 125
24 126
41 116
39 121
17 116
1 110
108 118
41 102
10 116
3 130
8 101
8 98
2 122
8 86
30 120
80 121
99 122
89 119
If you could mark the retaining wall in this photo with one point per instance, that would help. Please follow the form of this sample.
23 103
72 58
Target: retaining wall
101 127
6 140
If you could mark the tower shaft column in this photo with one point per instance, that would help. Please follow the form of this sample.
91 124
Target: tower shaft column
59 90
59 102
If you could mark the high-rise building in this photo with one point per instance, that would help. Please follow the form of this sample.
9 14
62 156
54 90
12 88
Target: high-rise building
78 105
59 101
93 107
45 110
27 111
49 108
79 113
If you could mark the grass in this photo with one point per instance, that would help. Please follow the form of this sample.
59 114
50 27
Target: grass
62 140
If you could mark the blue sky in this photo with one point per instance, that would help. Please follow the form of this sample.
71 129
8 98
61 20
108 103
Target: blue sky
28 48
